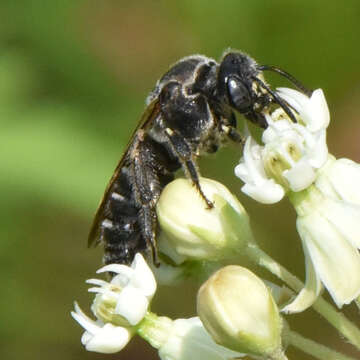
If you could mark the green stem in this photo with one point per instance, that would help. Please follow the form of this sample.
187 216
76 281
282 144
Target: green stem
155 329
334 317
316 350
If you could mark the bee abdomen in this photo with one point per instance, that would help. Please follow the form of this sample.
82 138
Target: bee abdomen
122 241
120 231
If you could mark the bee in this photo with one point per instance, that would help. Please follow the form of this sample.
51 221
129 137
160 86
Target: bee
190 112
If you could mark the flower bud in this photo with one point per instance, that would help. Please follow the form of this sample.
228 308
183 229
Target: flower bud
191 231
239 312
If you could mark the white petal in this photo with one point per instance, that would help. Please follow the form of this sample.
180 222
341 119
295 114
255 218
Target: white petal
132 305
241 171
117 268
313 111
124 274
312 289
275 129
299 101
87 323
251 171
268 192
344 176
336 261
97 282
110 339
96 290
255 171
319 153
189 337
320 109
143 277
300 176
344 217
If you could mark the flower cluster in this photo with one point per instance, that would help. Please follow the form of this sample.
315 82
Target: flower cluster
294 160
238 313
119 305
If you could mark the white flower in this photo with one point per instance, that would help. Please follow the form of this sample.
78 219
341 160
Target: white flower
292 153
183 339
128 294
118 306
324 192
99 337
251 171
328 224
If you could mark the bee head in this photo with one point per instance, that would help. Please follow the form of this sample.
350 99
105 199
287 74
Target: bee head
238 89
241 85
235 81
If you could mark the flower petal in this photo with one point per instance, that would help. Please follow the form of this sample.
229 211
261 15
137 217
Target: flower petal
88 324
336 261
189 337
108 340
344 217
300 176
310 292
320 109
132 305
253 162
313 111
143 278
344 177
117 268
97 282
251 171
299 101
267 193
318 155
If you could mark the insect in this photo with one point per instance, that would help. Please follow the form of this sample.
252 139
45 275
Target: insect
190 112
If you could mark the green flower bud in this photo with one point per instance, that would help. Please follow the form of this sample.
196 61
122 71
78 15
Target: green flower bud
239 312
191 231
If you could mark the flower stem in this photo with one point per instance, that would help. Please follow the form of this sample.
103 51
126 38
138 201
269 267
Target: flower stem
155 329
334 317
316 350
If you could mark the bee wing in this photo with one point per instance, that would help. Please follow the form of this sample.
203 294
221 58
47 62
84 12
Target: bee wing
149 115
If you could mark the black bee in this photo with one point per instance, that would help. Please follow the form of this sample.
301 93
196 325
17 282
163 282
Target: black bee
190 112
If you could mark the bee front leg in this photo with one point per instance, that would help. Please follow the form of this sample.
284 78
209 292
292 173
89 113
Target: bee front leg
183 151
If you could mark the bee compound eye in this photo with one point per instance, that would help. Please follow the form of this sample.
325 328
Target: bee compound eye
239 95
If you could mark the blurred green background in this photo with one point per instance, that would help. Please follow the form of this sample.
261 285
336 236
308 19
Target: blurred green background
73 79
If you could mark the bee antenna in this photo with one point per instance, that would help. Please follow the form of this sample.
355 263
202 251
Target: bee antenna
277 98
286 75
